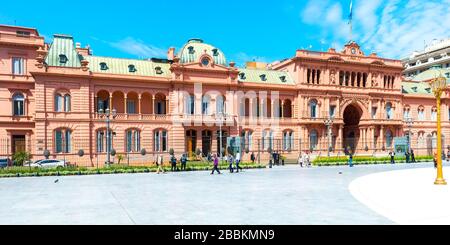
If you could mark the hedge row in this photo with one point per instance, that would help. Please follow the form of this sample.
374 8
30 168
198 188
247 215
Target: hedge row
114 169
357 159
328 164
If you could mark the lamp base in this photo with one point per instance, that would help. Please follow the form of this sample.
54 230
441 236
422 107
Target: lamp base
440 182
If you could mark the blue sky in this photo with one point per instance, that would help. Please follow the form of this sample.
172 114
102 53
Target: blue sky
244 30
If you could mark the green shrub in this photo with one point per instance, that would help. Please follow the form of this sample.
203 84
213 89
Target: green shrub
19 158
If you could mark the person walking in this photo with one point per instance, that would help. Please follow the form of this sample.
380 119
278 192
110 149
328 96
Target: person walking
350 160
308 160
252 157
215 165
392 155
435 160
238 161
183 161
413 156
159 164
448 156
300 160
407 156
173 161
230 162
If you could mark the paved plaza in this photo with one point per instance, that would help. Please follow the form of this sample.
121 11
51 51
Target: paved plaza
282 195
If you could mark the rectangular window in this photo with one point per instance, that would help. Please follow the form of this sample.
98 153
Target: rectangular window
19 108
100 141
374 112
164 141
18 66
433 116
332 111
129 141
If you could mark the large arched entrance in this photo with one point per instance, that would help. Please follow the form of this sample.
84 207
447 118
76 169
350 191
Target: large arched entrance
352 117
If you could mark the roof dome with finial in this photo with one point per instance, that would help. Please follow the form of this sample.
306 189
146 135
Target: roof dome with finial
195 48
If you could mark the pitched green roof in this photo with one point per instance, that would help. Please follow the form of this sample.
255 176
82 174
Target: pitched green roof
432 73
265 77
63 45
121 66
198 48
416 88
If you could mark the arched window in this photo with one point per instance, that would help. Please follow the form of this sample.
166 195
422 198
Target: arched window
434 140
406 112
421 113
288 140
434 114
63 141
267 139
389 111
18 104
313 109
247 139
206 101
133 143
62 102
102 144
313 139
389 139
161 143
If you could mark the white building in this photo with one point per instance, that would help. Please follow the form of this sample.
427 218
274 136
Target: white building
437 53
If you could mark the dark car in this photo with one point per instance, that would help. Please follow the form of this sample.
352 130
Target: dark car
5 162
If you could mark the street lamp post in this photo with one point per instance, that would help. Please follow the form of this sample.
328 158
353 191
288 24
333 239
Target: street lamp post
329 124
439 85
221 116
108 115
409 122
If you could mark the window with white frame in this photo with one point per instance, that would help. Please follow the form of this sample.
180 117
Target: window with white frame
103 142
18 66
247 139
161 140
421 113
190 105
434 114
389 111
313 140
288 140
63 141
62 102
267 139
313 109
18 104
389 139
133 143
206 101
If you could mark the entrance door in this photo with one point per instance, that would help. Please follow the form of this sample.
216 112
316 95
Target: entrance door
18 143
206 142
191 142
352 118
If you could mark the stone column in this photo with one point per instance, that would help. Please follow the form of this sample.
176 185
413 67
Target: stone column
341 135
167 106
282 109
110 106
153 105
382 136
139 106
125 104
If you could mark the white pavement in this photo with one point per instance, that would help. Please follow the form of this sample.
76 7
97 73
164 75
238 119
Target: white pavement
406 197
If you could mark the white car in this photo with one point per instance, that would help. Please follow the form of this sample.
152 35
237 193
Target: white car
48 163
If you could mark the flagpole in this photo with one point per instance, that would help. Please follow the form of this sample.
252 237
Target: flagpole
350 20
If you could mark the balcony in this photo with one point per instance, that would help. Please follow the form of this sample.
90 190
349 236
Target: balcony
7 38
136 117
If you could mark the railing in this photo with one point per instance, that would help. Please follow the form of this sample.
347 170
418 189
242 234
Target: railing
14 38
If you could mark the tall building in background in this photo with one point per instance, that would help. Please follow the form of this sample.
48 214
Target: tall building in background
435 54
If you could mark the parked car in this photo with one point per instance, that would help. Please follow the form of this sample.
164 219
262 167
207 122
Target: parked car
48 163
5 162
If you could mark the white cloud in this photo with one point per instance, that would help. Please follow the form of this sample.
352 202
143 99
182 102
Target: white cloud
137 47
391 28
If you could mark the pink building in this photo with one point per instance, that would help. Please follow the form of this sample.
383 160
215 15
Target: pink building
51 96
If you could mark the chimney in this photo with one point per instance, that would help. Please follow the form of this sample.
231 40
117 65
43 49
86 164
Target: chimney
171 54
78 45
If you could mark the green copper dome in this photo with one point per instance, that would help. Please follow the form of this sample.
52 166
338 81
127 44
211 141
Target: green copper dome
195 48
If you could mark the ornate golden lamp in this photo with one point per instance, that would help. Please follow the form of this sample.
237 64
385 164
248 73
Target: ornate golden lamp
439 85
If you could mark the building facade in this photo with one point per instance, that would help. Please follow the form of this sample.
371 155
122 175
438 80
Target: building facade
54 98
